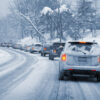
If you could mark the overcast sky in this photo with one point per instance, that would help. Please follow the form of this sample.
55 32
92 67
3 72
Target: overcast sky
4 4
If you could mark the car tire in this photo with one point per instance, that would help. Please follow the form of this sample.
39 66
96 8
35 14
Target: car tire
41 54
98 77
51 57
61 75
44 54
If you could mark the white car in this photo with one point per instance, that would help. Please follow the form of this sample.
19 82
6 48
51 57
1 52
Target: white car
36 48
80 58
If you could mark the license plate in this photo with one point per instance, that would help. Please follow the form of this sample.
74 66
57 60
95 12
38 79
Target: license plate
82 59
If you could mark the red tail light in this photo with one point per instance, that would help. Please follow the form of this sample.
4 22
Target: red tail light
99 59
70 69
93 70
54 51
64 57
45 48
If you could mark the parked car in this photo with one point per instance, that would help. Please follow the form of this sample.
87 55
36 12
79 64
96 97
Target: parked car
45 49
80 58
36 48
56 50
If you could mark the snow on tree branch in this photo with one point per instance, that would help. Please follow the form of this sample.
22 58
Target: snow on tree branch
46 10
62 8
29 20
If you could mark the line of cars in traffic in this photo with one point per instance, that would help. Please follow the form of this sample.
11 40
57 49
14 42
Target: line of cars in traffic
51 49
76 57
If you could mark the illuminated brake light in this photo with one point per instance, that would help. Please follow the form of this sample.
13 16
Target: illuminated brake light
70 69
64 57
93 70
54 51
45 48
99 59
82 42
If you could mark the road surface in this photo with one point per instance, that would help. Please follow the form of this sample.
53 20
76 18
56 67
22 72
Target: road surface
26 76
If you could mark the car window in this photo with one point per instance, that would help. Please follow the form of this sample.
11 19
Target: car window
58 44
76 46
38 45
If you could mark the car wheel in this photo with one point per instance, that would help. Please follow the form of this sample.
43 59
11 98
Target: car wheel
98 77
61 75
39 51
51 57
44 54
41 54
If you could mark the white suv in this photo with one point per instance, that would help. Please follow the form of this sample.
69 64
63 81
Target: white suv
80 58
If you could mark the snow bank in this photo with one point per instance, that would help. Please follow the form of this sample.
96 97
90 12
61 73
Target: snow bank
27 41
56 40
4 56
46 10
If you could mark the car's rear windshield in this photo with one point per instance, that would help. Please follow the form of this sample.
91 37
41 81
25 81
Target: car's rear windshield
81 46
38 45
59 44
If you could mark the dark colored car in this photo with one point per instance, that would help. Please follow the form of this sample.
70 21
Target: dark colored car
45 49
56 50
9 45
4 44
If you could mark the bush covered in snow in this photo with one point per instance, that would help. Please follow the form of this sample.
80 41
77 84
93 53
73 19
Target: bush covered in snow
27 41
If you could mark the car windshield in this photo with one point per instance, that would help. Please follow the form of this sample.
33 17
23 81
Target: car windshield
77 46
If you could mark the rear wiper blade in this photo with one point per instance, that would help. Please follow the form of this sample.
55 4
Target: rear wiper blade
82 51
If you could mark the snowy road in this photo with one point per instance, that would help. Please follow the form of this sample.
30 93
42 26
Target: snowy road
32 77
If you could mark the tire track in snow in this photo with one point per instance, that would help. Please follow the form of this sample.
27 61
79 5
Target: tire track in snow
9 78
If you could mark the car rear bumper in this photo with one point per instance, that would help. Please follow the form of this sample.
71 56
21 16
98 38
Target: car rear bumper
46 52
35 51
81 72
55 55
64 66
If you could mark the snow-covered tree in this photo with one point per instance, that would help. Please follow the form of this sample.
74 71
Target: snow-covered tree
86 16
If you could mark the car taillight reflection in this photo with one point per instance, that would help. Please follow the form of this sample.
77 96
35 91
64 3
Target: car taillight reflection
64 57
